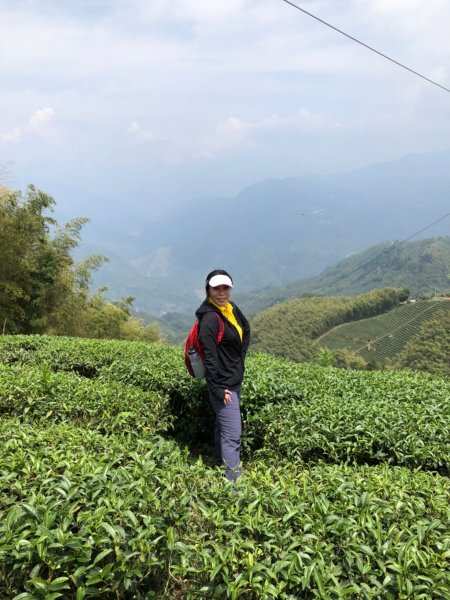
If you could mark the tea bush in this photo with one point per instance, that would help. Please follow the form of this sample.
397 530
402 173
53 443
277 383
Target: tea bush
356 404
414 434
84 515
35 394
95 503
158 367
83 356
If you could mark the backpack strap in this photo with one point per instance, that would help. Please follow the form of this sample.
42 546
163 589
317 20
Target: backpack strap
221 329
220 333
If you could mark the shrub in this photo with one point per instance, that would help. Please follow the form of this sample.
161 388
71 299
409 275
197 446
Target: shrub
87 516
349 430
34 394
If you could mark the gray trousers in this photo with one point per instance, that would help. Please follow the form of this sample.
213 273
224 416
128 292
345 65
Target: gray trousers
227 433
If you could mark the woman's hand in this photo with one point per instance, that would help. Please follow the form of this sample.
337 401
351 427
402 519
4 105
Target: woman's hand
227 397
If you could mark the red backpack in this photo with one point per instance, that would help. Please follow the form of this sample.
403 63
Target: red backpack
194 355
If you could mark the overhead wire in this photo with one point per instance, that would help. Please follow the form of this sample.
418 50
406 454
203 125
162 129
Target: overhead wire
392 331
371 48
395 244
403 66
398 63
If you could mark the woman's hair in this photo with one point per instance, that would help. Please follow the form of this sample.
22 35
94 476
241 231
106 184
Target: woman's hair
211 275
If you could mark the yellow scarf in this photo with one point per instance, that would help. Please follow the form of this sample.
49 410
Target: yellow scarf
228 313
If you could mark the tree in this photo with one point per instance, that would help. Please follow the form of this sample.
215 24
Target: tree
28 264
42 289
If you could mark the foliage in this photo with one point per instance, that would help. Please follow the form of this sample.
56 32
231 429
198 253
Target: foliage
290 328
346 359
97 501
421 266
269 382
42 290
28 265
383 337
342 358
37 394
429 350
175 326
87 516
351 430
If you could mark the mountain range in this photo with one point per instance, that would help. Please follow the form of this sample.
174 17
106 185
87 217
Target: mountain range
273 233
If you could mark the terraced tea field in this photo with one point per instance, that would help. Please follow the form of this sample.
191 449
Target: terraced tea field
107 490
383 336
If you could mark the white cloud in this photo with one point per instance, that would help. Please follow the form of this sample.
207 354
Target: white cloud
41 117
423 26
134 128
303 120
410 11
210 11
183 80
234 131
37 125
197 12
12 136
137 132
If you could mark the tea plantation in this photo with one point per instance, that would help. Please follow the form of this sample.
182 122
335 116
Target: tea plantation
345 491
385 336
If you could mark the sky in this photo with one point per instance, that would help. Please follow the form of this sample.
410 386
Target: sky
140 105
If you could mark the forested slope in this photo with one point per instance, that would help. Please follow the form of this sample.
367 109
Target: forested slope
290 328
421 266
429 350
380 339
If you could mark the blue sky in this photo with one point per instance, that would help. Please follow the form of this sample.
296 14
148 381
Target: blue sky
151 102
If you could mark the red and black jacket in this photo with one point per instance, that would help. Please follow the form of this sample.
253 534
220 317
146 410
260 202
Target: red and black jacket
224 362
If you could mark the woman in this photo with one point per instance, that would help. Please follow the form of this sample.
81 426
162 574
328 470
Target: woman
224 366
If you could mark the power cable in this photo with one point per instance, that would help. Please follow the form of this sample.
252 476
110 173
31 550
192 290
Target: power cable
358 41
394 244
427 309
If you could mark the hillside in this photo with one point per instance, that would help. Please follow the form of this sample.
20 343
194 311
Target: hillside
383 337
290 328
429 350
421 266
280 231
108 488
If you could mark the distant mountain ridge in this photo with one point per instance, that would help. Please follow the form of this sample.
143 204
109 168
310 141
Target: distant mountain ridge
275 232
421 266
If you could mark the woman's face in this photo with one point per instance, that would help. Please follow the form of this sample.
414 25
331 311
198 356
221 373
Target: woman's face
220 294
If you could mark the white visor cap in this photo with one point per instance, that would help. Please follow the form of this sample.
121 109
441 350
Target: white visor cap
220 280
